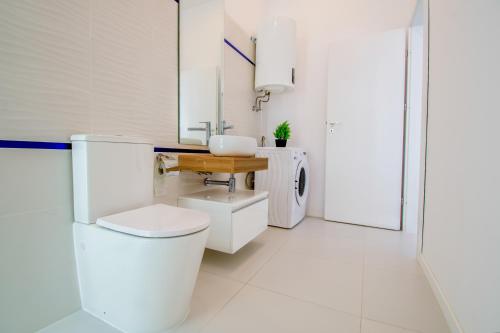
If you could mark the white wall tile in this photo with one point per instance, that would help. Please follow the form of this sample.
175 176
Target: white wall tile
163 86
121 44
38 280
34 180
88 66
44 69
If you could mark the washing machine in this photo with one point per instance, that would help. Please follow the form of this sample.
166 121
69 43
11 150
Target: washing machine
287 181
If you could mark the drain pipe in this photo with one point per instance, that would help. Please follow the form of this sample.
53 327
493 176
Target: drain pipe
231 183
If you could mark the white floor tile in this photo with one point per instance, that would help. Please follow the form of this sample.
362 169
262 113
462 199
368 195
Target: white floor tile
312 226
325 246
391 249
210 295
242 265
370 326
79 322
255 310
332 283
404 299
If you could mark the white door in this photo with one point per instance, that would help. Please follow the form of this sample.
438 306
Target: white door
365 126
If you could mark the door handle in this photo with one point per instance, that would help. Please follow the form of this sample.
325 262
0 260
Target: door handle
332 125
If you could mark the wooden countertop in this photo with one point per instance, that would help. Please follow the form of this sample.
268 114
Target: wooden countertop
220 164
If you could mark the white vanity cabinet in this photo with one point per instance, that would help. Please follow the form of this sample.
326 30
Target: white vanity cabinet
235 218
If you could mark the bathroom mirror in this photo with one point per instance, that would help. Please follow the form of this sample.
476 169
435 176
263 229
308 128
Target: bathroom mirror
216 74
201 38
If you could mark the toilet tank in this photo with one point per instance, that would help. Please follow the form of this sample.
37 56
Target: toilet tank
111 174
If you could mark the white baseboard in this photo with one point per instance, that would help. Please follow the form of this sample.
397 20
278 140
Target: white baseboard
438 292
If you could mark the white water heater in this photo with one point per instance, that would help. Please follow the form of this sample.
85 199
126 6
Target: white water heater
275 55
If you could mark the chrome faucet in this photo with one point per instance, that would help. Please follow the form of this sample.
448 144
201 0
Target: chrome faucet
225 127
207 129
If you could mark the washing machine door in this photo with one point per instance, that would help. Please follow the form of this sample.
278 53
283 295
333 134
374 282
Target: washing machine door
302 182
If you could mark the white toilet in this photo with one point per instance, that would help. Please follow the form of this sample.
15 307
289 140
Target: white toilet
137 262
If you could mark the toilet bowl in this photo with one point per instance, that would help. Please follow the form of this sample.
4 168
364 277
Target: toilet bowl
137 263
137 269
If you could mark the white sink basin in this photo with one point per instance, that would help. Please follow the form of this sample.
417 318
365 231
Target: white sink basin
232 145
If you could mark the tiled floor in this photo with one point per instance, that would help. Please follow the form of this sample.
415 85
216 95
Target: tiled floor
319 277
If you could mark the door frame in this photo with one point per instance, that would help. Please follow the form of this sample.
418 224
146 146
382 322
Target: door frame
423 7
405 137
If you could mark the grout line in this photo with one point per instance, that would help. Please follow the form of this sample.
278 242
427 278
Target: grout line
243 285
412 330
35 211
278 250
223 276
306 301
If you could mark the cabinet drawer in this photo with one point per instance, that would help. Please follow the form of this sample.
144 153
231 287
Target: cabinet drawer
248 223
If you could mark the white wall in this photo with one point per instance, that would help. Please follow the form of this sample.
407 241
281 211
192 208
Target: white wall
38 283
319 23
461 240
70 66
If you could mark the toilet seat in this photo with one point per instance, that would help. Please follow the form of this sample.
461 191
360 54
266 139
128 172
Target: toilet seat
157 221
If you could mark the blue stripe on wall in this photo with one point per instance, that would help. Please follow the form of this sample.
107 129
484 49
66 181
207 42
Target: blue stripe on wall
238 51
34 145
181 150
67 146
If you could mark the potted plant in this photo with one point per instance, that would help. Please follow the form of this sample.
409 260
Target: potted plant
282 133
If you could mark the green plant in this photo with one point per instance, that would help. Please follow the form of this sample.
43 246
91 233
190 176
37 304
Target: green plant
283 131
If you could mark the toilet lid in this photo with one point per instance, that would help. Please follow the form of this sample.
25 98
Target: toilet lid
157 221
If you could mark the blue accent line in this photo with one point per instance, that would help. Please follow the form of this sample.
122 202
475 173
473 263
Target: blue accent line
34 145
67 146
181 150
238 51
